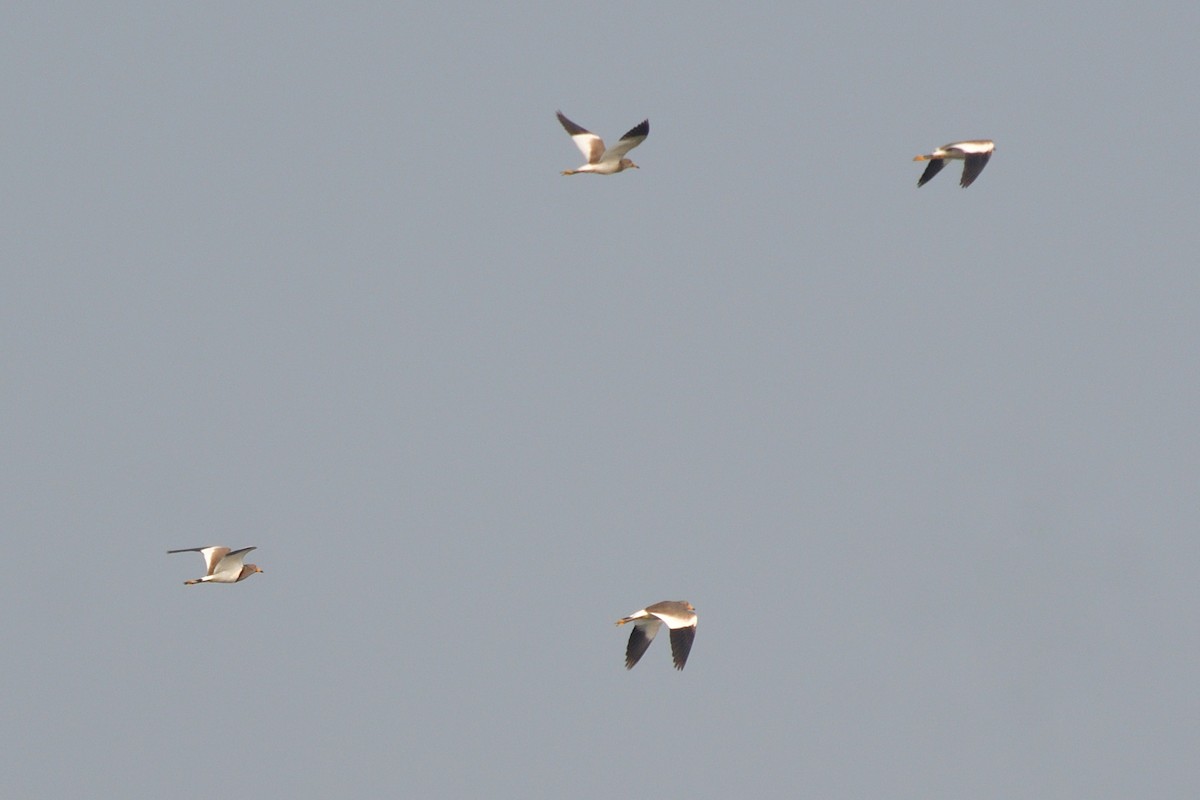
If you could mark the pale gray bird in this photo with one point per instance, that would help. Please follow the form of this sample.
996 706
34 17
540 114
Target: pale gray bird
603 161
223 566
974 154
680 618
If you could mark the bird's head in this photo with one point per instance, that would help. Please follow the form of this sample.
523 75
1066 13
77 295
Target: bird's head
689 606
628 164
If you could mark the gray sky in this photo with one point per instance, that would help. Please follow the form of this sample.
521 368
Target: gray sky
307 277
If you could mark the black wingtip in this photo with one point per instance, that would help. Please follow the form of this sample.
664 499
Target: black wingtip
571 127
933 168
972 166
641 129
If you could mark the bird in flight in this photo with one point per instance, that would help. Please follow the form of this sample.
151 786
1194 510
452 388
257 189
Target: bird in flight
223 566
974 153
680 618
600 160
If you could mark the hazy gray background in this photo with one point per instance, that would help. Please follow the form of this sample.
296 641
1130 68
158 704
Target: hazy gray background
306 277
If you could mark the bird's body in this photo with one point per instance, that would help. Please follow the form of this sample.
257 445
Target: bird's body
224 566
679 616
974 153
601 160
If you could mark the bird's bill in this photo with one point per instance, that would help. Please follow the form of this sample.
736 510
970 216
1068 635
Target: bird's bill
920 158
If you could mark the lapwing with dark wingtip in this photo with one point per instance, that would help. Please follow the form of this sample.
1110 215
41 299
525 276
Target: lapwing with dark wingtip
223 565
679 616
601 161
974 153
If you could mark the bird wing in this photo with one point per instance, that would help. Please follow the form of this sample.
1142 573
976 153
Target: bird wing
935 166
681 644
681 619
972 166
635 136
591 145
644 631
231 563
212 555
